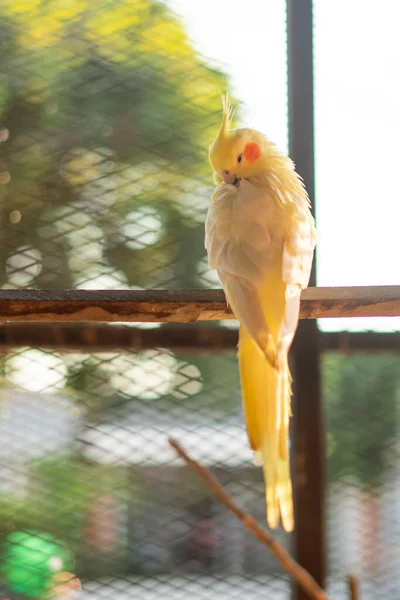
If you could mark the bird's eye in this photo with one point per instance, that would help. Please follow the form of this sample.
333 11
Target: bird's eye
240 158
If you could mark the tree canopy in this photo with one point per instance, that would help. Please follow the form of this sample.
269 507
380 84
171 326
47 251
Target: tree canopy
107 112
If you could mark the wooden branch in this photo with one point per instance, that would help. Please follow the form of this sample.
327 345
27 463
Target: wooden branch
184 306
354 588
303 578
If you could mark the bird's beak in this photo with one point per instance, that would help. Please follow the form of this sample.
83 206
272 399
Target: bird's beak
228 176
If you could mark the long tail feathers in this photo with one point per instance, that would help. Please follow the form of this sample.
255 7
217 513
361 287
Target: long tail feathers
266 399
246 303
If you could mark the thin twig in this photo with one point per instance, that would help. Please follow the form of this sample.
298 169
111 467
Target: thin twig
354 587
302 577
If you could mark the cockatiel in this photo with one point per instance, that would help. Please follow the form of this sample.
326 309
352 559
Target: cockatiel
260 238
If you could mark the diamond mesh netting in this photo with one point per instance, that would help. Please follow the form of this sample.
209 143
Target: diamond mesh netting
106 113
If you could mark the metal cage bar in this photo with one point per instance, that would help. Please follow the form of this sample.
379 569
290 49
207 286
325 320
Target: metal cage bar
309 432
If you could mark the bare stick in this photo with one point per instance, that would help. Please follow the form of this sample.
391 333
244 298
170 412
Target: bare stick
354 587
303 578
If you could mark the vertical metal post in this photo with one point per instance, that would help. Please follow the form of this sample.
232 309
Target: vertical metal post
308 431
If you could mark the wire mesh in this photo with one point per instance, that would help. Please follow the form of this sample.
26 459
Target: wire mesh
362 409
106 112
86 460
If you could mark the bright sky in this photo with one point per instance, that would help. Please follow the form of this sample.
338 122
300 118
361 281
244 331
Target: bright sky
357 121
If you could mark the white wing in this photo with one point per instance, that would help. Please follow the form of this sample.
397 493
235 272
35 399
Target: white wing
298 251
244 232
244 240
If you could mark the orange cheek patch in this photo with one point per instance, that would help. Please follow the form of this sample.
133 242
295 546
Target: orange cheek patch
252 152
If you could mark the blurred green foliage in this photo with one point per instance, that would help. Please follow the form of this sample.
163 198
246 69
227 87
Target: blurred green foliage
31 561
61 500
362 402
107 114
207 385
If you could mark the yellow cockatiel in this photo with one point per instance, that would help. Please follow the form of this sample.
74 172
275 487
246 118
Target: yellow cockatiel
260 238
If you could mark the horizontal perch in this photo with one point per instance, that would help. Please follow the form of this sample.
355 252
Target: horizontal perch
182 306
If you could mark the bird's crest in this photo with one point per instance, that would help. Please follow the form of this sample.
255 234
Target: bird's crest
218 148
227 113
